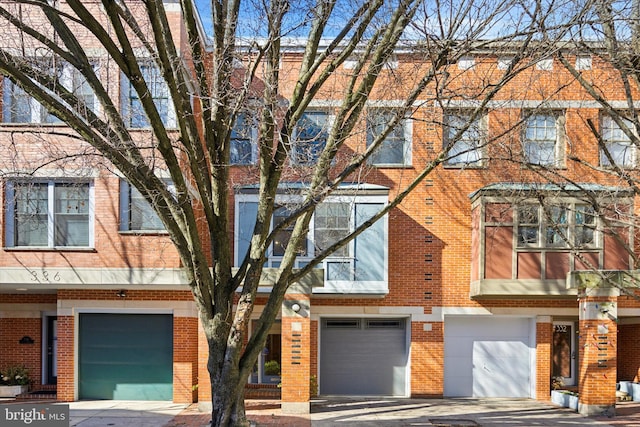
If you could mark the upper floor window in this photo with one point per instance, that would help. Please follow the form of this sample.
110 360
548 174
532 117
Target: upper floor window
622 151
395 150
133 112
542 142
19 107
463 137
357 266
283 236
49 214
242 141
552 226
310 137
136 213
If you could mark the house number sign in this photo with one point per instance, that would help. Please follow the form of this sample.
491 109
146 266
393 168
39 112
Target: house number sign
44 276
560 328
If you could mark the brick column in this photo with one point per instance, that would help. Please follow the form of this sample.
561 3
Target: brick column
544 349
296 354
598 345
185 358
66 388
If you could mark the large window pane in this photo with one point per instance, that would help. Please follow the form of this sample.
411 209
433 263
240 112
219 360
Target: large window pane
31 219
241 141
331 224
71 215
311 135
394 149
142 215
465 149
540 138
618 144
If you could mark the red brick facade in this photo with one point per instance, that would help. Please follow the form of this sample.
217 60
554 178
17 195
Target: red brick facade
441 244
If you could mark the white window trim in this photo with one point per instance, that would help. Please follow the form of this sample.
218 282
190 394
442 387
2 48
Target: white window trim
559 146
407 124
10 215
631 147
483 125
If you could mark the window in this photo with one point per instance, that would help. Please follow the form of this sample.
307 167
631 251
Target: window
545 64
132 104
310 137
282 237
331 225
466 62
242 137
19 107
504 62
464 145
556 226
395 150
583 62
618 144
49 214
136 214
358 267
541 142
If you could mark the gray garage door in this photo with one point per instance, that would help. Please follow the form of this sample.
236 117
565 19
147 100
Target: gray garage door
363 357
487 357
126 356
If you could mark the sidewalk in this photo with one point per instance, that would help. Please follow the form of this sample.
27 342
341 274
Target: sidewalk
420 412
351 412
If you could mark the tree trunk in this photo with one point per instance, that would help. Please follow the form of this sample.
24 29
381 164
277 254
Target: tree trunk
228 405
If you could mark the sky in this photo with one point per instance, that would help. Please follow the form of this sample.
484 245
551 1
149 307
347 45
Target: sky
204 7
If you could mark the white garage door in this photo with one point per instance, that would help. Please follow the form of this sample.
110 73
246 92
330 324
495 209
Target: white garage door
487 357
363 357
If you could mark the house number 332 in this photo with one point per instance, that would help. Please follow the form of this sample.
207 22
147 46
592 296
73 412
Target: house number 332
561 328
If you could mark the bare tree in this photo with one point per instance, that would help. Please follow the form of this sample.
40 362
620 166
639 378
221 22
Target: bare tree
409 53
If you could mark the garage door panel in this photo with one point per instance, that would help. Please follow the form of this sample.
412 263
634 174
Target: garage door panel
506 349
487 357
363 360
126 356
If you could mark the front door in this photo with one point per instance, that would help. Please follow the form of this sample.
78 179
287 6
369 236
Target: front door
564 352
52 350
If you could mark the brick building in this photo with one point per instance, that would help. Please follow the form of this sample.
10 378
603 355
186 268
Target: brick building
482 283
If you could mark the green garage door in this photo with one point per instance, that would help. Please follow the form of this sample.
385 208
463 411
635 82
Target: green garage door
126 356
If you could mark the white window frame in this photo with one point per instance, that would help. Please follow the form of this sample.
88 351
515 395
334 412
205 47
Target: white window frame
407 132
480 124
558 142
10 214
331 286
622 140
